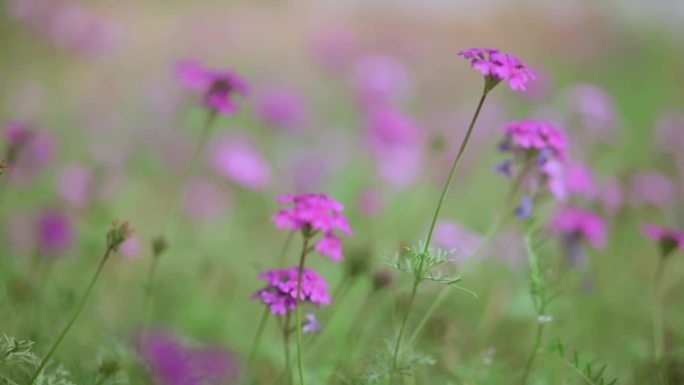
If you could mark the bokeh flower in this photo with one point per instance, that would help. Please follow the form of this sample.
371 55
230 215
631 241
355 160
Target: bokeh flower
217 88
130 248
652 188
312 214
379 79
668 239
280 292
238 161
582 224
580 181
454 236
29 151
76 185
497 66
312 324
282 108
204 201
595 110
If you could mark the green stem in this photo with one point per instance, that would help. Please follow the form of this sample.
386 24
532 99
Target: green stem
537 345
257 339
150 286
658 329
286 342
74 317
298 308
440 203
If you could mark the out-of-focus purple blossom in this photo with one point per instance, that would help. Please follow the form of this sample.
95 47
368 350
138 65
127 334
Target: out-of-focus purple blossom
668 239
172 363
282 108
130 248
396 143
595 109
311 325
576 222
334 48
55 232
203 200
280 292
499 66
369 202
76 185
380 79
315 213
532 137
454 236
218 88
235 159
580 181
554 176
524 209
611 196
652 188
505 168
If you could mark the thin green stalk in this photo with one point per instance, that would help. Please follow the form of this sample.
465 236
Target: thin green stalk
286 343
150 286
533 354
257 339
658 329
298 310
440 203
73 319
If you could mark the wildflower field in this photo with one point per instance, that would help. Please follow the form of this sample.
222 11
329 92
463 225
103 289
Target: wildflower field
304 193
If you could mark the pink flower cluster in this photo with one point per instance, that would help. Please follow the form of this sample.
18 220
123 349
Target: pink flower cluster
217 87
315 213
585 224
668 238
499 66
280 292
537 136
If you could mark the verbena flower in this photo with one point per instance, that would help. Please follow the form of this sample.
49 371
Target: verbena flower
498 66
668 239
218 88
313 214
312 325
282 108
55 232
580 224
172 363
238 161
580 181
280 292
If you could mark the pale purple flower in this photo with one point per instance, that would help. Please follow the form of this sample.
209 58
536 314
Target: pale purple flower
280 292
315 213
595 108
652 188
238 161
130 248
554 179
55 232
668 239
454 236
218 88
580 181
311 325
611 196
499 66
524 209
580 223
170 362
379 79
203 200
282 108
76 185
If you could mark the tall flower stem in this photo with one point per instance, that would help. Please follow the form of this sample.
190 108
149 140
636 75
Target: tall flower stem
658 329
74 317
286 343
177 201
298 308
257 339
535 351
440 203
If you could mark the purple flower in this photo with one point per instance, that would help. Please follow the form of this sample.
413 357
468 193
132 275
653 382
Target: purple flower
533 137
611 196
75 185
668 239
596 110
379 79
55 232
280 292
312 325
580 223
454 236
652 188
130 248
217 87
524 209
504 168
282 107
499 66
580 181
236 159
315 213
172 363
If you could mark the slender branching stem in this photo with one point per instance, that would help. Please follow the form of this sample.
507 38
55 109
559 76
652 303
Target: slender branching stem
440 203
298 308
74 317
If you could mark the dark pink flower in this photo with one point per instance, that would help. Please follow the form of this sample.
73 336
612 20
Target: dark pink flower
280 292
499 66
282 107
580 223
668 239
55 232
535 138
236 159
315 213
217 87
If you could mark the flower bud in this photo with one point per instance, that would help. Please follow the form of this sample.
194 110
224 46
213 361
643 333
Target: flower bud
159 245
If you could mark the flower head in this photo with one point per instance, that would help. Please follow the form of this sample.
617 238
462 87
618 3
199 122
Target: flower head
217 87
497 66
579 223
282 107
55 232
280 292
315 213
238 161
668 239
312 324
535 138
